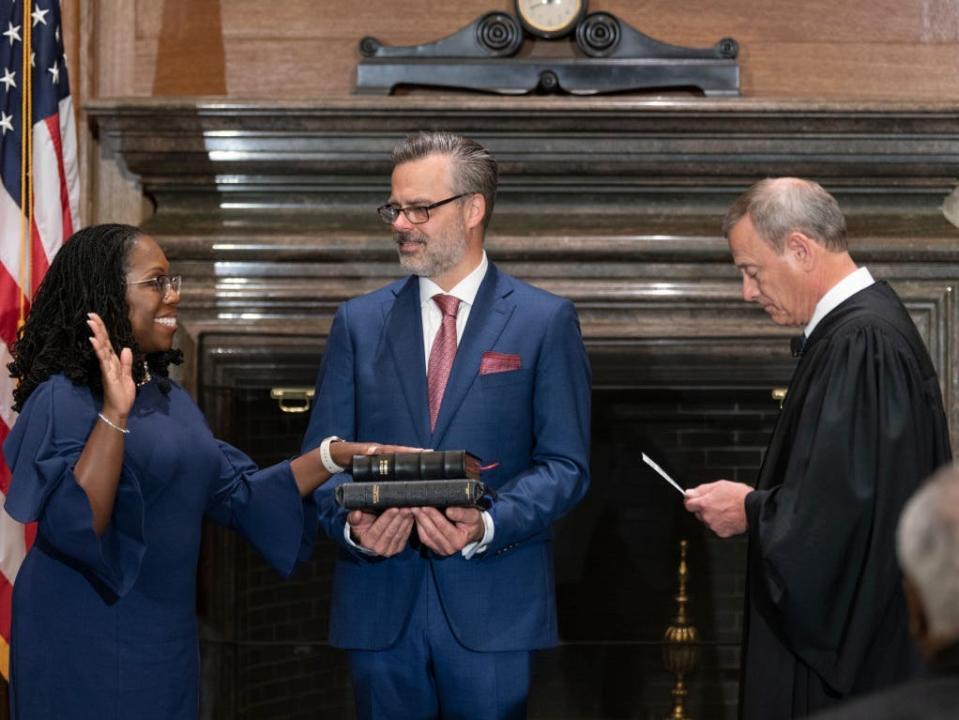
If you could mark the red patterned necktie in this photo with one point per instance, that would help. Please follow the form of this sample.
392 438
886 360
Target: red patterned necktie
441 354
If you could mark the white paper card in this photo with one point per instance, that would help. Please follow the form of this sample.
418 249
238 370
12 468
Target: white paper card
662 473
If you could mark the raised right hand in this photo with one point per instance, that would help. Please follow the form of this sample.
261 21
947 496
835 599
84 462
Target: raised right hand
119 389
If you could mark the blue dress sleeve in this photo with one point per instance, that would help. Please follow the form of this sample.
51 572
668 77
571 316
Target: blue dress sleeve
41 451
265 507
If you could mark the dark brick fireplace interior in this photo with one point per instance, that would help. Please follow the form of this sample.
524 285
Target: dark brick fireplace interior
616 558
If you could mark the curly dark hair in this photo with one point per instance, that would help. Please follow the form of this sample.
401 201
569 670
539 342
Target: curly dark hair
88 274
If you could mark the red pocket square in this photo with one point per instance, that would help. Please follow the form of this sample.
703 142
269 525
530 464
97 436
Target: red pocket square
494 362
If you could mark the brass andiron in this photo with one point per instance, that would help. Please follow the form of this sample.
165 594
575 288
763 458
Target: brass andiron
779 395
681 651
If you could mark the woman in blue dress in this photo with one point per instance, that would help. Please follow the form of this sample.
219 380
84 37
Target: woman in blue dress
116 464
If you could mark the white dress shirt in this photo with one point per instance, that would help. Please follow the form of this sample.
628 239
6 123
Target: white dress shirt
465 290
855 281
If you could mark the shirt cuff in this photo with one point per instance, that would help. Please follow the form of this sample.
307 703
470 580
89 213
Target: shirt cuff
349 541
475 548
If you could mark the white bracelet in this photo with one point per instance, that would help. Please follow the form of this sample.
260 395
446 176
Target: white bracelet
125 431
326 458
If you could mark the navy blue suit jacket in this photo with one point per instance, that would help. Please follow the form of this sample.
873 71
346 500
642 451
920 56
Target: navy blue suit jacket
533 421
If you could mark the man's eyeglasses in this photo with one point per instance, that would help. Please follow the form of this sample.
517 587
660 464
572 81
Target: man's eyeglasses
162 283
416 214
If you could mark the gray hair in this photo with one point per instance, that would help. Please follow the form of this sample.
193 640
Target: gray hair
473 168
779 206
927 542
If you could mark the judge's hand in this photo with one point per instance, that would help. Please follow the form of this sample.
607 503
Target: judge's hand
119 390
721 505
448 533
385 534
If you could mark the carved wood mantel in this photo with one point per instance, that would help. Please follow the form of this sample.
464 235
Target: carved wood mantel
267 210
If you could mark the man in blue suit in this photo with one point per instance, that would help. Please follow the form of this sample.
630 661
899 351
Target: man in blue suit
441 610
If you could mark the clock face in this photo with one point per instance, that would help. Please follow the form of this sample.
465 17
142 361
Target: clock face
550 18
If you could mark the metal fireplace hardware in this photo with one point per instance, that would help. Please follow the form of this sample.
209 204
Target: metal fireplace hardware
681 650
779 395
611 56
293 399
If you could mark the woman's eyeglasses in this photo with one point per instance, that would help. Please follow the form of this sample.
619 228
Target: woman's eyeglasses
162 283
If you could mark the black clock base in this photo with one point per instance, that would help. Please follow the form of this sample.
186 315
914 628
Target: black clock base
512 76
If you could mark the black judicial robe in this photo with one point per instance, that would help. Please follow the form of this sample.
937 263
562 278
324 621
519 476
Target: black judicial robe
862 425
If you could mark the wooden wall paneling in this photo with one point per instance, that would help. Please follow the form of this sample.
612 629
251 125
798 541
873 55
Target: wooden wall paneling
879 71
145 55
70 11
814 21
76 20
308 48
190 57
680 21
940 20
149 18
423 21
318 68
114 40
116 196
266 68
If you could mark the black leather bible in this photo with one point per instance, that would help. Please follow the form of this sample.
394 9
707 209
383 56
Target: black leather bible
425 465
461 492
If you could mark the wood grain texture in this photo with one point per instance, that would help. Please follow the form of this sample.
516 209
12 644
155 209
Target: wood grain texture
190 57
70 23
858 49
112 43
75 16
878 71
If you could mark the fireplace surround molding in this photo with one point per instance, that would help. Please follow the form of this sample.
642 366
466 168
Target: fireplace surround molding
266 209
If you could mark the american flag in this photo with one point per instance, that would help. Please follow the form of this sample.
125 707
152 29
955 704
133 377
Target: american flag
39 204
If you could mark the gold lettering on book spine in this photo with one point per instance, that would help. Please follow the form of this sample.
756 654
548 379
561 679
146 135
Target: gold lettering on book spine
376 494
384 467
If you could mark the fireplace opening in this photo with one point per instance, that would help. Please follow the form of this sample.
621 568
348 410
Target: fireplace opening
264 639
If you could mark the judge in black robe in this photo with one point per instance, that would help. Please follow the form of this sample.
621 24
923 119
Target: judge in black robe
862 425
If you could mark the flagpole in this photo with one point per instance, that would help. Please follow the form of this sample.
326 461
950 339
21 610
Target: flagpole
26 164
